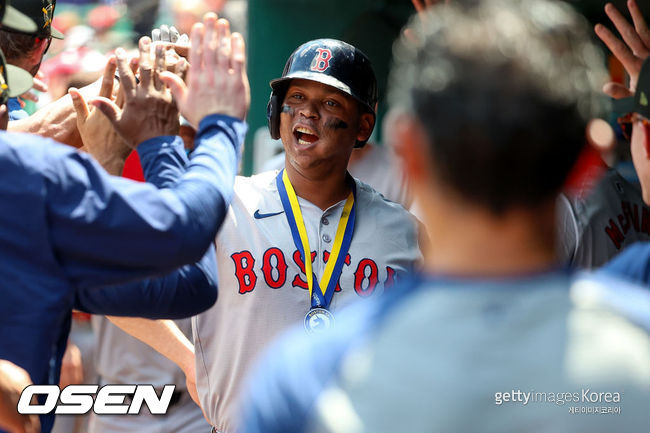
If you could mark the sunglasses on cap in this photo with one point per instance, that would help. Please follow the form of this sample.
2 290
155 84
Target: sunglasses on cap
627 122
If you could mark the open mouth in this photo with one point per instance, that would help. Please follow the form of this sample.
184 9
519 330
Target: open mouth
305 135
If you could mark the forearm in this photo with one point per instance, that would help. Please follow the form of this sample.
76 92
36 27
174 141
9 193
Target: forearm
57 120
163 336
207 188
163 228
185 292
217 148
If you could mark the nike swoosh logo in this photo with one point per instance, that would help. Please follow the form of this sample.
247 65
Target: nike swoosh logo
259 215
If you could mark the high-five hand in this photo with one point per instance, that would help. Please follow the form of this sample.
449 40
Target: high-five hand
149 110
631 51
217 82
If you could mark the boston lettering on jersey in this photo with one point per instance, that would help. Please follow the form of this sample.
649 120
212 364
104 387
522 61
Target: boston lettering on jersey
633 217
274 270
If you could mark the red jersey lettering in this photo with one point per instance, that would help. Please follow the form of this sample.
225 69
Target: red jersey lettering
390 280
280 267
244 271
367 270
615 234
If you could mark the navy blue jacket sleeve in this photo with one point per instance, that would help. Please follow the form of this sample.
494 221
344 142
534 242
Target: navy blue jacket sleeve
185 292
107 230
632 264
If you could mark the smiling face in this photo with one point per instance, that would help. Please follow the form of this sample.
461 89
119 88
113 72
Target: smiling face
319 126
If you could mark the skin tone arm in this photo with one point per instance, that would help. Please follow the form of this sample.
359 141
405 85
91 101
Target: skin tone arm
13 380
167 339
56 120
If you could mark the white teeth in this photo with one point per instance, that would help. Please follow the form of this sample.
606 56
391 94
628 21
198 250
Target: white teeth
305 131
301 141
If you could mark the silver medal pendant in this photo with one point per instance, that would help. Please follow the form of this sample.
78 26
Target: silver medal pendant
318 320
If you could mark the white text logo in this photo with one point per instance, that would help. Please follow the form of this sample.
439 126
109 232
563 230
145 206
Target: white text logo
109 399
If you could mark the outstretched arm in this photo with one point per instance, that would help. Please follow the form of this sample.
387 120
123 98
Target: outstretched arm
167 339
163 228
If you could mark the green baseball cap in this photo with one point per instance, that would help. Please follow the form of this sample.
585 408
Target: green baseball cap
14 81
13 19
640 102
42 13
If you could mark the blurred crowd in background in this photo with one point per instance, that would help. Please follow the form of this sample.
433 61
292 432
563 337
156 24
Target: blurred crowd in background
93 29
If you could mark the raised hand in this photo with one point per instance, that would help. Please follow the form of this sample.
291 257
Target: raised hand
217 82
149 110
421 7
99 137
631 51
169 34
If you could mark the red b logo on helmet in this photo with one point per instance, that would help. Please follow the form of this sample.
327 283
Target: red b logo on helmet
322 60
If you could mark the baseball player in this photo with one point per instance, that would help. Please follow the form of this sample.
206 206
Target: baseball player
65 219
300 243
597 221
496 336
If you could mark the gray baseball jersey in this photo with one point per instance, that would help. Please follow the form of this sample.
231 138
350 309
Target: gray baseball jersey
595 224
262 286
377 168
121 358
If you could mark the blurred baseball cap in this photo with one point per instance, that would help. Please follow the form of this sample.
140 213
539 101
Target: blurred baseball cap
13 80
42 13
640 102
12 19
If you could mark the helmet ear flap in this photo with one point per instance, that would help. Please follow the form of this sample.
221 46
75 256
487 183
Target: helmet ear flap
273 115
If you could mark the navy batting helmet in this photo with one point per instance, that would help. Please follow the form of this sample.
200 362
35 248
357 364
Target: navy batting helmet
331 62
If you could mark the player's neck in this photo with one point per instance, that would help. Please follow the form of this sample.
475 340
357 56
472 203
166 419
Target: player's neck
322 190
470 242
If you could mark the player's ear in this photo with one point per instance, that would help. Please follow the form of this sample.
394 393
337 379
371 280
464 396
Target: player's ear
366 125
410 143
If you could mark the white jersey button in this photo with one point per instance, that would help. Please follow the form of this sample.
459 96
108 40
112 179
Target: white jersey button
326 238
325 221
